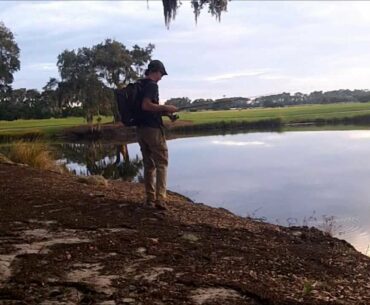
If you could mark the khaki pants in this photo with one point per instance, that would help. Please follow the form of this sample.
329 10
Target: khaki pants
153 146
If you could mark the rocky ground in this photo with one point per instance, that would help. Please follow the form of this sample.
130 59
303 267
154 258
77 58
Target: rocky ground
68 240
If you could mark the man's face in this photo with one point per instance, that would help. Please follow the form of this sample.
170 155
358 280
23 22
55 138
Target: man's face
158 76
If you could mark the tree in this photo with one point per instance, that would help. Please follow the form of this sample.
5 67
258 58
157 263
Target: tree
9 57
316 97
117 65
80 84
201 104
18 105
141 57
51 97
24 104
179 102
7 107
89 74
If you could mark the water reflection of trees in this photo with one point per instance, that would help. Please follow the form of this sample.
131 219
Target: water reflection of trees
109 161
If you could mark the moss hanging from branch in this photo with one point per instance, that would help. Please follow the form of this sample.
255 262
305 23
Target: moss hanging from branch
215 7
169 9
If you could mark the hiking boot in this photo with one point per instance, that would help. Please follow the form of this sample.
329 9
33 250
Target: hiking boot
161 205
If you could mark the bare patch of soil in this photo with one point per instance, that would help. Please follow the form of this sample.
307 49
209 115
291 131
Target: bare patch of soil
66 242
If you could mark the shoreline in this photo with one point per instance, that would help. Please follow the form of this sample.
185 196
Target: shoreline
117 132
95 242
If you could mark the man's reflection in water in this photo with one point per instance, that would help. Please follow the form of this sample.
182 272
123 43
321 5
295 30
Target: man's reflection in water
122 150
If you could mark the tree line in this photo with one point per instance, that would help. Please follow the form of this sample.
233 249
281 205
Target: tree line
274 100
87 77
315 97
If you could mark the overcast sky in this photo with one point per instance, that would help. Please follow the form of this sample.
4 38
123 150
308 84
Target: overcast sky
259 47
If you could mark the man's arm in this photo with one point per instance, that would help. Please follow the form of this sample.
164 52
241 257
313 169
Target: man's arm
147 105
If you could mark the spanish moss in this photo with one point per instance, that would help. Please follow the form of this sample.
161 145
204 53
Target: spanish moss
215 7
170 9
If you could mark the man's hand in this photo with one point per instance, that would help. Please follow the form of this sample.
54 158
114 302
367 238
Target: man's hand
171 108
147 105
173 117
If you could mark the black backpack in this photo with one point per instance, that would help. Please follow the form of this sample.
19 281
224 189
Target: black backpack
129 104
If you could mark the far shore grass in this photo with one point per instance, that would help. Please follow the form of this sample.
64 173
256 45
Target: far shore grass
45 126
287 115
291 114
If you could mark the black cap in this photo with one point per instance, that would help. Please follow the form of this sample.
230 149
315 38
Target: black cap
157 65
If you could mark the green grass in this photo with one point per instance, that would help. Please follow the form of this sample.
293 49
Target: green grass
287 114
305 113
47 126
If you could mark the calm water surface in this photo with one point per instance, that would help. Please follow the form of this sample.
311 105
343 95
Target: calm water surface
319 179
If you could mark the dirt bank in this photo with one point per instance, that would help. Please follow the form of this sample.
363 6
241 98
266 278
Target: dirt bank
109 132
180 128
63 241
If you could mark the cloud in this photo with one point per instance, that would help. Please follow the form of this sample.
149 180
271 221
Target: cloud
335 12
229 76
46 66
271 76
64 16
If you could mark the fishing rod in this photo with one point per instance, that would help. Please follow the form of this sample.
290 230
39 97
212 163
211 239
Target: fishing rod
174 116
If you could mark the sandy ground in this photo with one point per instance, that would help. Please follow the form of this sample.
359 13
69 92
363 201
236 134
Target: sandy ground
64 240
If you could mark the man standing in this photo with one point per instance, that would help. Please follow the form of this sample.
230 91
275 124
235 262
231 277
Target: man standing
151 137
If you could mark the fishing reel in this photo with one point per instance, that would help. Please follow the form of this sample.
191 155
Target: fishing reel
173 117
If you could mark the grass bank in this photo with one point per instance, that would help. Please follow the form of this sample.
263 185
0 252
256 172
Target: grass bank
249 119
229 126
32 129
341 114
292 114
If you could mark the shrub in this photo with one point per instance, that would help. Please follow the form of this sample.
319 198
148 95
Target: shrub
33 153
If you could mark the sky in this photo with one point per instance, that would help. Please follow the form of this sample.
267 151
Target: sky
258 48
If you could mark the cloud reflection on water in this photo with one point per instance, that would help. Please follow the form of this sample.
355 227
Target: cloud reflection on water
235 143
298 173
360 134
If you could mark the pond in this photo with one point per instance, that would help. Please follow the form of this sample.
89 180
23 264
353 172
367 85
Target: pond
319 178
